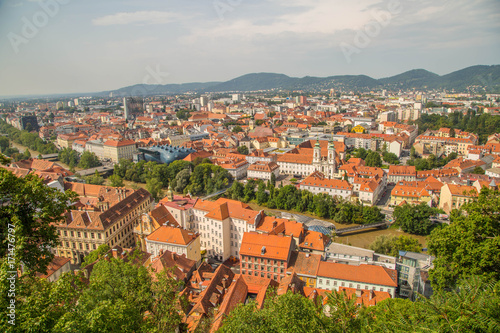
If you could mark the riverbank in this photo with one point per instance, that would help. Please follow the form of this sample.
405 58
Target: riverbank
360 239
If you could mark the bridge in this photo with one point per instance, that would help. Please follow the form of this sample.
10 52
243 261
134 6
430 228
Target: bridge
342 231
216 194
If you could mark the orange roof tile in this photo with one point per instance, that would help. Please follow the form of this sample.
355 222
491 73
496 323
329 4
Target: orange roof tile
363 273
266 246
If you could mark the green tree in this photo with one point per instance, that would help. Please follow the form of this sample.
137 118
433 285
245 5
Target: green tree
470 244
29 211
4 143
478 171
183 114
273 180
415 219
390 158
243 150
95 179
96 254
237 129
88 160
116 181
373 159
372 215
26 154
249 191
40 304
155 186
391 244
262 196
301 314
471 307
181 180
237 191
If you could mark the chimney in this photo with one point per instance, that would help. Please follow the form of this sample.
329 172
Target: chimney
161 252
372 294
275 224
115 253
263 250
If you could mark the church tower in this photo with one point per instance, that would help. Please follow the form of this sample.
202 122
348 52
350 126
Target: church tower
331 158
317 153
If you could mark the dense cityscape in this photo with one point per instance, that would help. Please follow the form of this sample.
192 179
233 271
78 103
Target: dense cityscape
237 197
261 166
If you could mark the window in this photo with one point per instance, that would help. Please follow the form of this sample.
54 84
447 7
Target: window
93 246
67 244
327 282
81 246
99 236
65 233
72 233
358 287
342 284
92 235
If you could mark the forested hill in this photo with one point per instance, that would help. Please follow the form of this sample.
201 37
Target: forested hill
476 78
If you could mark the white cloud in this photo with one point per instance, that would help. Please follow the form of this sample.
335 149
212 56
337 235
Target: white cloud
141 17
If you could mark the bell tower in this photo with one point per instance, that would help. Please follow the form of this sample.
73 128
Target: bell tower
331 158
317 153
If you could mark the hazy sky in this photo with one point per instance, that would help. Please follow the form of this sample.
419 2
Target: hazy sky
65 46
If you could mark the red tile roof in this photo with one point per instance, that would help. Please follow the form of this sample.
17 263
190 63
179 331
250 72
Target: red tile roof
363 273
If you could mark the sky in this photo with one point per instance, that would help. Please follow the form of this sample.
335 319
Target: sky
71 46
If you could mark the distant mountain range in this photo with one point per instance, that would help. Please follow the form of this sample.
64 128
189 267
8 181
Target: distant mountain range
478 77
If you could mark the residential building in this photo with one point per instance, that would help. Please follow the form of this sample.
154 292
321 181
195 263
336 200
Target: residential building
317 183
263 170
150 222
222 224
57 267
333 276
413 274
454 196
236 167
177 266
103 215
402 172
305 265
117 150
409 194
351 255
174 239
265 255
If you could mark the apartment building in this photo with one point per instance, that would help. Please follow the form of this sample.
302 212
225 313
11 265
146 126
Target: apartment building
176 240
265 255
103 215
402 173
413 274
263 170
317 183
409 194
150 222
455 196
222 224
332 276
116 150
351 255
235 166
